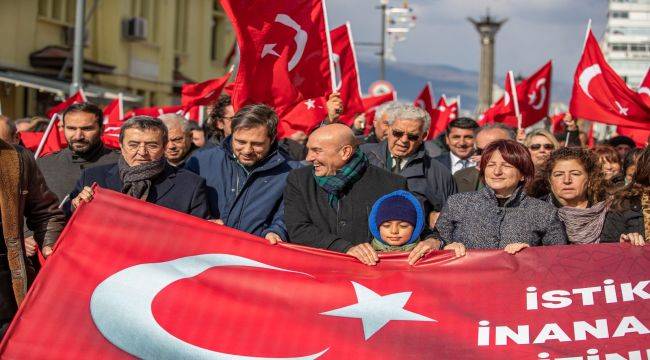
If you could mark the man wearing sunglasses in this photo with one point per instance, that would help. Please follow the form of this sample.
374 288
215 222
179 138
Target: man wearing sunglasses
403 153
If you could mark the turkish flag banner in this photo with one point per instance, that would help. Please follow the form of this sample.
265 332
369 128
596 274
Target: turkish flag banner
442 116
112 112
131 279
305 116
54 142
284 50
533 99
204 93
346 71
644 89
424 100
599 94
59 108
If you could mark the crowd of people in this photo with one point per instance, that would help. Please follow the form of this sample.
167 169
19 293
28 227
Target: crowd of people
477 187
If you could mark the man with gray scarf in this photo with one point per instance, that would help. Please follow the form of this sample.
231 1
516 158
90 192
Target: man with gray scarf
143 172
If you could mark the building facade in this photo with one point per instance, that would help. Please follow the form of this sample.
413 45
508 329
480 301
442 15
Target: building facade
627 39
144 49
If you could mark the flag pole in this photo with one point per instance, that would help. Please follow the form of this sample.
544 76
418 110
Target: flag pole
47 132
513 92
120 105
586 35
201 115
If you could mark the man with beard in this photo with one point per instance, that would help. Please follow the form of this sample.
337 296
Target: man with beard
460 139
82 127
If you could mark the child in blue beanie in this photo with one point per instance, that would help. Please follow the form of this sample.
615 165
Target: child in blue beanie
396 222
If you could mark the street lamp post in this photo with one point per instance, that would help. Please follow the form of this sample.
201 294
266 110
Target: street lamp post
78 55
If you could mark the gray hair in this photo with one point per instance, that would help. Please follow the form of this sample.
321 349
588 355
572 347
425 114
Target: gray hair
172 120
494 126
143 122
381 109
403 111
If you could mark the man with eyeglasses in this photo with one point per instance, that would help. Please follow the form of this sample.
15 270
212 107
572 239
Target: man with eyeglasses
143 172
468 179
460 140
403 153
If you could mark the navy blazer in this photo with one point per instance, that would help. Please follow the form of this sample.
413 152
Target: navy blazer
444 159
174 188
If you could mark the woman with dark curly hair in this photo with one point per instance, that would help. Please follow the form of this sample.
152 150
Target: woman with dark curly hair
630 219
575 184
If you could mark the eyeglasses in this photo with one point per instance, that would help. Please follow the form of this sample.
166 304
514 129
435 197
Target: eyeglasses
412 137
539 146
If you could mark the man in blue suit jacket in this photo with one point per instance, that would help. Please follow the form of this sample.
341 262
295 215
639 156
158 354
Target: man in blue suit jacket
247 175
143 173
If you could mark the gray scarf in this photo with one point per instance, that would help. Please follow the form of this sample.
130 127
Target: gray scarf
583 226
136 180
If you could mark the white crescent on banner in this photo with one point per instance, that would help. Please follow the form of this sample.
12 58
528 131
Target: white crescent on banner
644 90
506 100
300 38
336 59
586 76
121 307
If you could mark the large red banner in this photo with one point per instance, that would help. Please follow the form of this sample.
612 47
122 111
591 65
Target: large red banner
130 279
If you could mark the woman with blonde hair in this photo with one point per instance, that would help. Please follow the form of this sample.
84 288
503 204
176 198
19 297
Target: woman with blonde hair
540 143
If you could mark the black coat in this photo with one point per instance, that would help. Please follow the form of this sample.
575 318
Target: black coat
174 188
444 159
311 221
427 179
625 221
468 179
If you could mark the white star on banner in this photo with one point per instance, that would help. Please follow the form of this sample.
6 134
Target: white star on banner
375 310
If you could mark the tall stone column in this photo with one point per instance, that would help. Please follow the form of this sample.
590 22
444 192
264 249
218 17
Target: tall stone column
487 28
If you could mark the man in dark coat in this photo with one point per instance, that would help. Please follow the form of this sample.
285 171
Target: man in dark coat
23 195
143 172
328 203
402 153
82 126
460 140
179 139
246 176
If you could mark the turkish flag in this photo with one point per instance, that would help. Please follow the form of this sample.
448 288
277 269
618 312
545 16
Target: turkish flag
424 100
112 124
204 93
600 95
59 108
640 137
346 70
131 279
154 111
557 123
284 52
305 116
533 98
54 142
112 112
370 104
442 116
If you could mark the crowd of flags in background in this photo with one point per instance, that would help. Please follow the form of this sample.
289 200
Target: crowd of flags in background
290 60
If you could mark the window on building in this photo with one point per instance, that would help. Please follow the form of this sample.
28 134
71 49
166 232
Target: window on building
619 14
62 11
180 38
146 9
619 46
638 47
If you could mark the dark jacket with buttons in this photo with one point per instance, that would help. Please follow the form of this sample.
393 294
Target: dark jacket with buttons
476 220
246 199
62 169
311 221
174 188
427 179
623 221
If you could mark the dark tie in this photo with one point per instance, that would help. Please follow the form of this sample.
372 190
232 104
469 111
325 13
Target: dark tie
398 166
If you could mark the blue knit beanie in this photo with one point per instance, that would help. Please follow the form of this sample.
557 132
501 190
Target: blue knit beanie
398 205
396 208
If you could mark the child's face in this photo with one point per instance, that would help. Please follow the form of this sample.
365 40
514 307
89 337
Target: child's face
396 232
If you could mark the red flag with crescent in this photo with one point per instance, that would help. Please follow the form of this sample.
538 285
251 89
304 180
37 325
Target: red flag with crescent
443 114
129 279
76 98
370 104
600 94
284 49
203 93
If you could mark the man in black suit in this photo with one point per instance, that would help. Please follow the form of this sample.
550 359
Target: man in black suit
143 172
468 178
460 140
328 203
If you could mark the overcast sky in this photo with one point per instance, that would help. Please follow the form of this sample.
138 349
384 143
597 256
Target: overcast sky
536 31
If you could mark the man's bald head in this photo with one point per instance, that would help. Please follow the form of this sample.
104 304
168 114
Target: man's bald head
330 147
8 131
338 134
